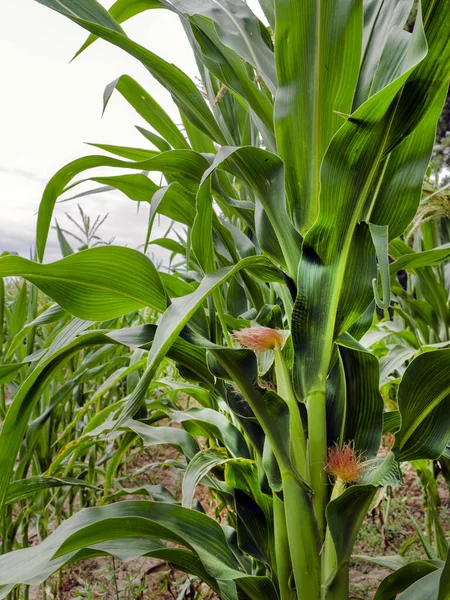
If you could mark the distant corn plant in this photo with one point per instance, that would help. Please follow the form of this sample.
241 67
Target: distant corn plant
301 163
418 321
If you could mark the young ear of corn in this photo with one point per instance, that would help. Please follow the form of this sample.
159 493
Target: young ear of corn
300 166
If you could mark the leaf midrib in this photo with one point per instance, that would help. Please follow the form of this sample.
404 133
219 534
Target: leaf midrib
86 284
338 279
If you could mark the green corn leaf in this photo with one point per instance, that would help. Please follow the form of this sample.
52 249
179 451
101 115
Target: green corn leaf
270 410
114 378
201 234
9 372
383 472
238 79
391 421
19 314
137 187
25 488
401 179
264 173
66 248
122 10
50 315
424 404
177 316
391 562
363 401
268 8
383 30
402 578
135 154
191 390
191 357
87 9
26 397
239 29
426 588
97 284
148 108
157 492
444 585
169 244
164 435
154 139
415 260
380 239
174 202
184 91
187 166
322 49
361 144
138 519
198 468
211 423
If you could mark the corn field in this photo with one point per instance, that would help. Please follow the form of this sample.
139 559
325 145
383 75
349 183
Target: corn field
291 359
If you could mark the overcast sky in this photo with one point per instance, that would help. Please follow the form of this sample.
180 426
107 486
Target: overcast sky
49 108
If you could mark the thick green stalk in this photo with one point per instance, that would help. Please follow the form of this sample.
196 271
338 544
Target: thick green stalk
300 520
282 553
297 434
317 454
301 523
303 538
329 553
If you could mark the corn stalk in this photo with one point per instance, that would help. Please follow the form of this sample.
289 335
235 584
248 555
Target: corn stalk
301 164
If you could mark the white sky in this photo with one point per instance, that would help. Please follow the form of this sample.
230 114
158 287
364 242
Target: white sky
49 108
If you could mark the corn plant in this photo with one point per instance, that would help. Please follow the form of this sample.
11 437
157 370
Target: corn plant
419 322
301 163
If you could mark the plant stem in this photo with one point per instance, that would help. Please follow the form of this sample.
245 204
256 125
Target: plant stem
317 454
282 554
329 553
285 390
303 538
301 524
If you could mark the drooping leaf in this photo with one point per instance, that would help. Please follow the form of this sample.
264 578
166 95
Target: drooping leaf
147 107
188 166
176 318
198 468
137 519
239 29
183 90
402 578
424 404
426 588
97 284
25 488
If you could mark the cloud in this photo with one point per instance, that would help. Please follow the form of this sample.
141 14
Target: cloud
22 173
